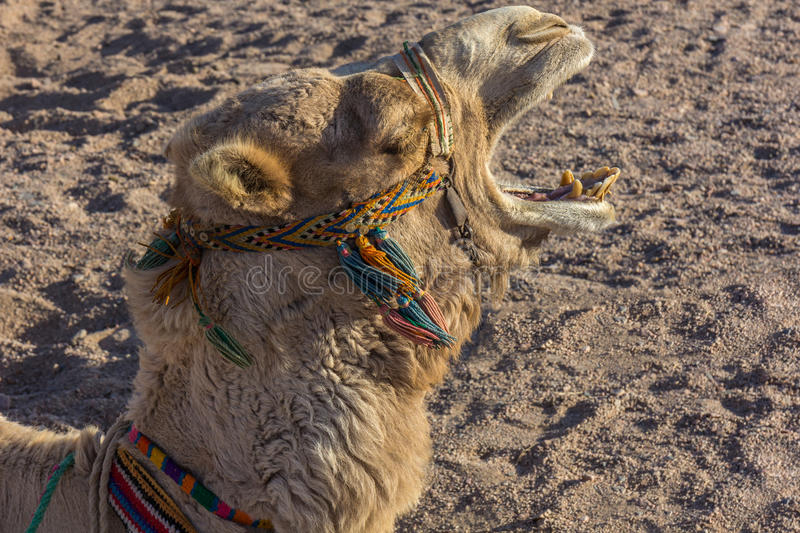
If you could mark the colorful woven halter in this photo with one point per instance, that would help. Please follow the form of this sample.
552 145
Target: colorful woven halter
380 268
323 230
144 507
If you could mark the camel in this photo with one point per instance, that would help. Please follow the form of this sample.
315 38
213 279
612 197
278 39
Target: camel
326 430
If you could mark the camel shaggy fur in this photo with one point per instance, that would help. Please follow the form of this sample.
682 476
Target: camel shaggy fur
327 430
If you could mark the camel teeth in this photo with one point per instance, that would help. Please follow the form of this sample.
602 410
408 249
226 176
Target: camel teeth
606 185
587 175
600 172
594 189
567 178
602 189
577 189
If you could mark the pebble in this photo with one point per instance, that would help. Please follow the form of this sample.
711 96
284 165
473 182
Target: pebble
720 28
121 335
78 336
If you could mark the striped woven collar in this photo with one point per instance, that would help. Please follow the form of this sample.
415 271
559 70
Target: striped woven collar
375 212
192 486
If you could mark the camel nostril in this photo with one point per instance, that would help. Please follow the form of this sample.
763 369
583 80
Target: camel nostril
555 20
544 35
543 29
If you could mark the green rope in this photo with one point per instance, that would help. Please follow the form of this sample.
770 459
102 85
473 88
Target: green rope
224 342
52 483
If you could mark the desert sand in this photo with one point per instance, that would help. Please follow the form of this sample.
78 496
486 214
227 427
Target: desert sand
642 379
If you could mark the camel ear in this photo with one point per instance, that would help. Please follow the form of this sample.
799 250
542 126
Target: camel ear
245 175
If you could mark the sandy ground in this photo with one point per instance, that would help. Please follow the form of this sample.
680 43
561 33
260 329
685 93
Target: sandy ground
644 379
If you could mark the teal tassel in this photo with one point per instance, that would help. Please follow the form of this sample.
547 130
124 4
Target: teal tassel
411 311
376 284
396 254
224 342
159 251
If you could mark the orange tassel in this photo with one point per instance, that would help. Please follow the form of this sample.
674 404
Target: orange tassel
378 259
167 280
174 275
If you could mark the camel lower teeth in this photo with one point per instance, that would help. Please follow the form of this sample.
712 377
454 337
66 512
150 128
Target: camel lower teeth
577 189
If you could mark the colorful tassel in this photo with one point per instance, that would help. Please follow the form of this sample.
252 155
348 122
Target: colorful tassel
375 283
224 342
400 325
396 254
411 311
387 275
429 305
378 259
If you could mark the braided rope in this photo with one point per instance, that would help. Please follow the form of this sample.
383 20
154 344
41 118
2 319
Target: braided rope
50 488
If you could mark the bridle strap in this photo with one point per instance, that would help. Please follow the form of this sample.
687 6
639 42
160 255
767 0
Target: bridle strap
423 78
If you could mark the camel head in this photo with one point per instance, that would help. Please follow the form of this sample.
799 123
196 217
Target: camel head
313 141
499 65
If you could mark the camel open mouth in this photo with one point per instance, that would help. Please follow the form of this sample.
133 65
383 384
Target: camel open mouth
590 187
576 203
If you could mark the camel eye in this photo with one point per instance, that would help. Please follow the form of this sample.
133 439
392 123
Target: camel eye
394 148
